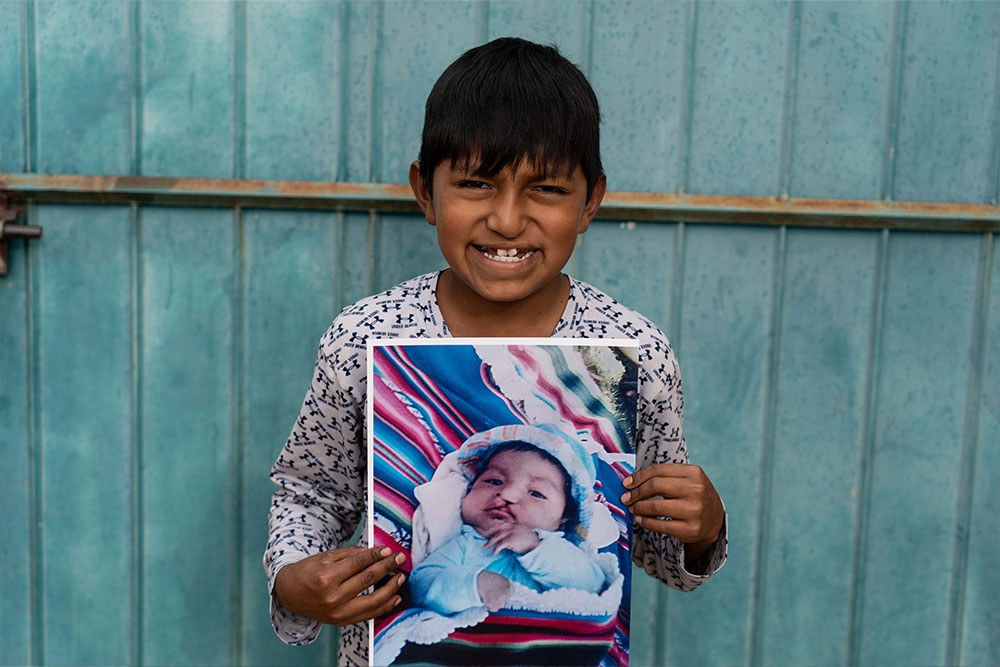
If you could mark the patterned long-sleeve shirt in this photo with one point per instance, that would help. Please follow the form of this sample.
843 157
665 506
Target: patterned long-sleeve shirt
321 470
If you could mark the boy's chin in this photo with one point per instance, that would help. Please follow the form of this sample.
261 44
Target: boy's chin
511 291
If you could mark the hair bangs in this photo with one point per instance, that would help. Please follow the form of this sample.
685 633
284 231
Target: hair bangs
512 103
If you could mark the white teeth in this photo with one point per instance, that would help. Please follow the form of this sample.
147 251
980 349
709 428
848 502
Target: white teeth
507 255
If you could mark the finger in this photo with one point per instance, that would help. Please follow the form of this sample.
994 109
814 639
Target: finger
337 555
671 509
495 527
496 541
490 530
664 487
679 529
372 574
501 544
642 475
378 602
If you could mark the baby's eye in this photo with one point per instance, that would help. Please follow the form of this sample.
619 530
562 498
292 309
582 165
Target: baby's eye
538 494
492 482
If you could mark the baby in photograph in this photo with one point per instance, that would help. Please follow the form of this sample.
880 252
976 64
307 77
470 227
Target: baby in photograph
524 518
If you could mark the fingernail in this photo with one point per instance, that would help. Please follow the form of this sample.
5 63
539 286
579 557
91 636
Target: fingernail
384 551
396 601
400 558
626 496
638 520
400 579
627 481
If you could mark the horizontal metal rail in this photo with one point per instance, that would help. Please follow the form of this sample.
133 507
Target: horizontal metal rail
396 198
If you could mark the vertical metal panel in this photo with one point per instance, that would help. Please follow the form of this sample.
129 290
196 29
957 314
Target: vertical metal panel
948 89
83 322
598 261
237 422
403 246
865 474
560 22
759 580
724 330
415 42
843 84
645 280
291 276
29 94
187 89
84 92
979 643
294 104
11 88
789 98
969 450
890 147
135 81
15 442
187 436
923 371
736 111
818 431
638 72
354 257
135 426
357 89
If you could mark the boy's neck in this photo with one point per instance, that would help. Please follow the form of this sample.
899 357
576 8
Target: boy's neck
467 314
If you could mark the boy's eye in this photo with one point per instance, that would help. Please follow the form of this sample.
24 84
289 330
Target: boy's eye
551 189
473 185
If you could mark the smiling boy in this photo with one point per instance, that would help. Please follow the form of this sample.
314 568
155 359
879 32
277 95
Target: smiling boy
509 174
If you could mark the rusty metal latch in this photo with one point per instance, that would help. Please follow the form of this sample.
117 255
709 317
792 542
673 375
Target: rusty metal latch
9 229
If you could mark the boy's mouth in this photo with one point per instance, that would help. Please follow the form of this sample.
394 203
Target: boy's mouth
510 255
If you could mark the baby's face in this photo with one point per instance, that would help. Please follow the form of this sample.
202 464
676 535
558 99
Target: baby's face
518 487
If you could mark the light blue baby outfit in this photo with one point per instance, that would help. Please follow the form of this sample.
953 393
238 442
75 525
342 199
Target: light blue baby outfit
445 581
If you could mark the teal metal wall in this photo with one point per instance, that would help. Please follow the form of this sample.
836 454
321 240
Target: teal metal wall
842 385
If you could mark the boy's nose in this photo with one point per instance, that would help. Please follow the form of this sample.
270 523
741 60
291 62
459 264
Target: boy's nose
507 218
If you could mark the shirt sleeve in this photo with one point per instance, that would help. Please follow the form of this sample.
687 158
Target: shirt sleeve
445 582
660 439
557 563
320 474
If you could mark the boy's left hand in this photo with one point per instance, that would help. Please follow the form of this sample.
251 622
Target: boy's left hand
685 496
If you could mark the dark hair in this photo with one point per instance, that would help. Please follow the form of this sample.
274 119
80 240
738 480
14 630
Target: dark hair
571 513
509 101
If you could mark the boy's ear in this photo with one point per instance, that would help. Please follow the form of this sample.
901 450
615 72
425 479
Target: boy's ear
594 203
422 193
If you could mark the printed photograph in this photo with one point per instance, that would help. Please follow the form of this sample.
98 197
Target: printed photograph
497 469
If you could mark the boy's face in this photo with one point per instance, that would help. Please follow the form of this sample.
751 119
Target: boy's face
517 487
506 237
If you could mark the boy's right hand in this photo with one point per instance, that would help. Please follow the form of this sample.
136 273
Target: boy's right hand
327 587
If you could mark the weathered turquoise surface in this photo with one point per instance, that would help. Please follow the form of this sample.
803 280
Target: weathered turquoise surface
842 386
